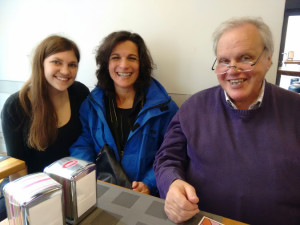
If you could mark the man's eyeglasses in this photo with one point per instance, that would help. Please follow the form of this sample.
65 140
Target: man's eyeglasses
245 65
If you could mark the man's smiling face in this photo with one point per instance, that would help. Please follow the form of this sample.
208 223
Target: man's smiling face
234 45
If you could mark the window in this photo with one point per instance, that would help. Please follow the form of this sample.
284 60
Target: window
289 58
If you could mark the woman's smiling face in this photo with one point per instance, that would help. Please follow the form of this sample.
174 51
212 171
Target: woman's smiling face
124 65
60 70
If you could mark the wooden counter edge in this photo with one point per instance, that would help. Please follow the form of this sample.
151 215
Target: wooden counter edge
227 221
12 166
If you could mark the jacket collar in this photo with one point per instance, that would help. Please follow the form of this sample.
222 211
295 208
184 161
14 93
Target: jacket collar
155 95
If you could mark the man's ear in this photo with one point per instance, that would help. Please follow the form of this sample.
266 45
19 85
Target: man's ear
269 61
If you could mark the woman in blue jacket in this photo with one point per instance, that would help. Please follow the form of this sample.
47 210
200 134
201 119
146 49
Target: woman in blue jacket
128 110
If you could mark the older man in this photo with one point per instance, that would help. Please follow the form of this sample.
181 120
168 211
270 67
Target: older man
234 149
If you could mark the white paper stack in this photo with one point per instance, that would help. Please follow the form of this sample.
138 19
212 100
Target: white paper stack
34 199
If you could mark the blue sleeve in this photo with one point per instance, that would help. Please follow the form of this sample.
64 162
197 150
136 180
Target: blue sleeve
83 148
149 178
150 181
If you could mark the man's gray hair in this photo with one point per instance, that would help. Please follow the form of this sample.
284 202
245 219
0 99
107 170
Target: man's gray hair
263 29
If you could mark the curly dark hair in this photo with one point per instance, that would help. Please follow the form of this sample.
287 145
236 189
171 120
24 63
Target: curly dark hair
104 51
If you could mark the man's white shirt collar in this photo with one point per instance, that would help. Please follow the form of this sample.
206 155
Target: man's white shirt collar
255 105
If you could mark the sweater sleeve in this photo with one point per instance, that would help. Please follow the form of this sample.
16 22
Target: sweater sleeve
171 159
12 119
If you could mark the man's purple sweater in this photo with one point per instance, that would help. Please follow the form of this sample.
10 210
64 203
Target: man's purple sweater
244 164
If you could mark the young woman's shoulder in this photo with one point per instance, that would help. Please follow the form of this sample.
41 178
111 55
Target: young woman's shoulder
79 90
12 102
78 86
12 108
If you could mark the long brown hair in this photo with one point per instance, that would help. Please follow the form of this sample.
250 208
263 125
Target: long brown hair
34 96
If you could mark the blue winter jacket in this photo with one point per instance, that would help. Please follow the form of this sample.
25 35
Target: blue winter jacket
143 141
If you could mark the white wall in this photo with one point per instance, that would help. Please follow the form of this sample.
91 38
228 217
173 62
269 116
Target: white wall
177 32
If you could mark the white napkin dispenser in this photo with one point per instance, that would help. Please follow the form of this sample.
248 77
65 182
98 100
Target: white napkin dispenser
78 178
34 199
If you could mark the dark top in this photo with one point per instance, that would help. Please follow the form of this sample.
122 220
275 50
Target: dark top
15 126
121 121
244 164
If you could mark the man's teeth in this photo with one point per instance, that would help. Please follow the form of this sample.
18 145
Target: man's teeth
124 74
62 78
236 82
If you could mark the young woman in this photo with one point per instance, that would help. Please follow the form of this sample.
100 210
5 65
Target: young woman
41 121
128 110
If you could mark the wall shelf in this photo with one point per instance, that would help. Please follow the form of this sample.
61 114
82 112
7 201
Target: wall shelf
292 62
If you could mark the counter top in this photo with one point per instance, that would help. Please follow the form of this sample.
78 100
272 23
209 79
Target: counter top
121 206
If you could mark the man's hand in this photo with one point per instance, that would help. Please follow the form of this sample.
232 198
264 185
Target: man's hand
181 201
140 187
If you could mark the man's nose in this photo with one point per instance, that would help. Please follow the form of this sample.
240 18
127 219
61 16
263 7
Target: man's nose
232 69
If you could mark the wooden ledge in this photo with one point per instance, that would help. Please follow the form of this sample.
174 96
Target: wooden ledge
12 166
